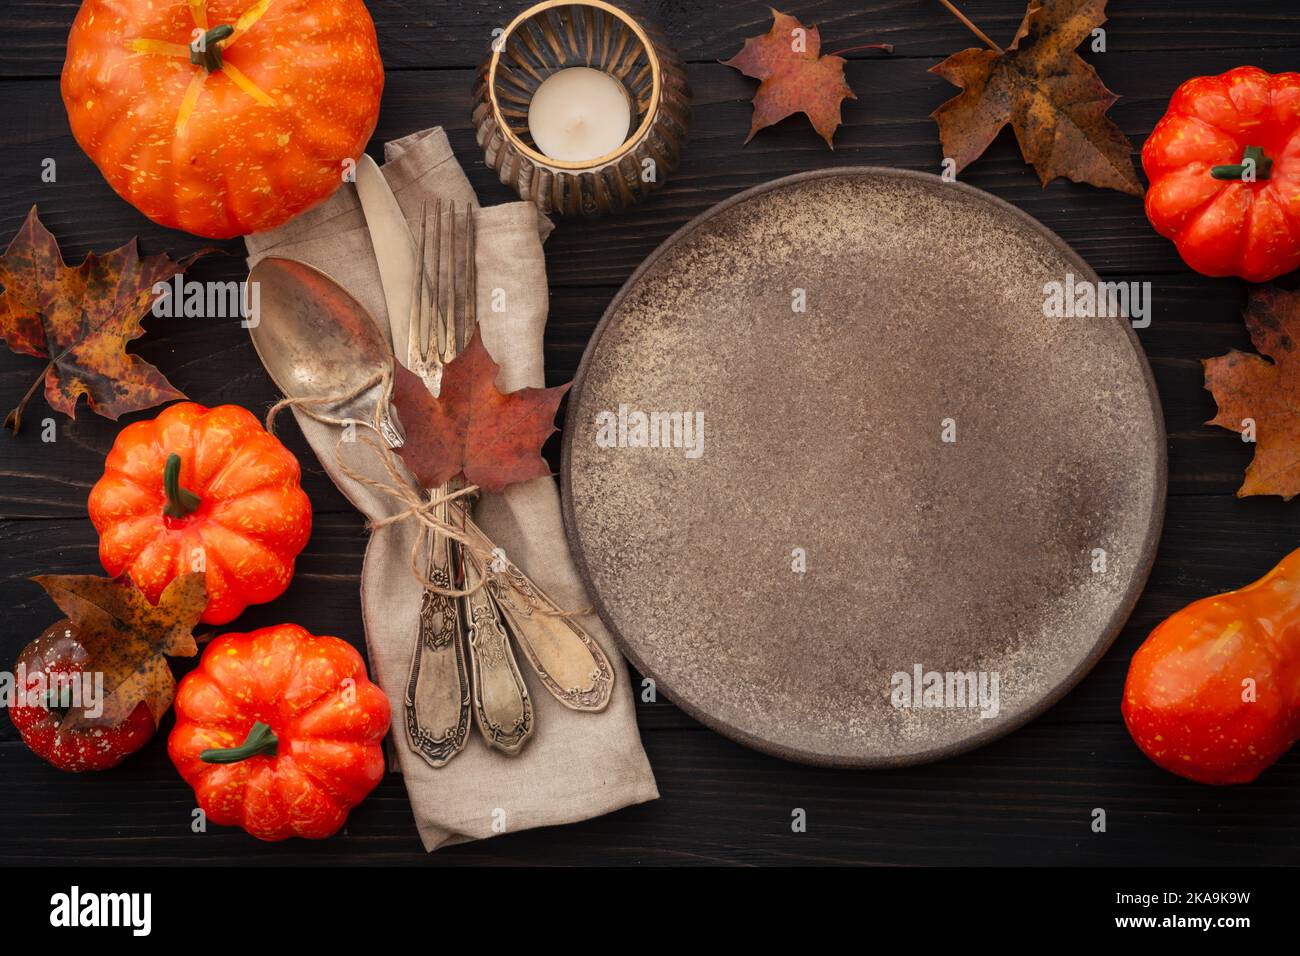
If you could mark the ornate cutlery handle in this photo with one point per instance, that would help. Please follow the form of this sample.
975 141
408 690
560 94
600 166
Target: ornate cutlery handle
569 661
501 702
438 689
388 427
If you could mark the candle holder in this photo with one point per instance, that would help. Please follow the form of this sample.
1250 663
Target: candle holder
558 34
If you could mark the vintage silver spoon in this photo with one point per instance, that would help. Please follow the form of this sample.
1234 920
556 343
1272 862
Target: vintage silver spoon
316 342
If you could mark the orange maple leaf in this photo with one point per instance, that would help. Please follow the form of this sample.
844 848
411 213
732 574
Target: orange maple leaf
1250 390
796 78
494 439
125 638
80 320
1055 102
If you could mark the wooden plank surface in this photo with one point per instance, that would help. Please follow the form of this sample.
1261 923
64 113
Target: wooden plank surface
1025 799
456 33
888 125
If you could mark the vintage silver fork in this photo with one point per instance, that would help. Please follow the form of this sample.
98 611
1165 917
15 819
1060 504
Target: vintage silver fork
502 706
438 695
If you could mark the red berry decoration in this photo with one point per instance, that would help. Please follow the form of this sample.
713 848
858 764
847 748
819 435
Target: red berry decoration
52 677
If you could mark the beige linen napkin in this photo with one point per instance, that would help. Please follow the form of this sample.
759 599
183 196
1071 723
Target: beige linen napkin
578 765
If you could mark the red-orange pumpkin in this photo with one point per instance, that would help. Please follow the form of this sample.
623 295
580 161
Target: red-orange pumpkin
279 732
202 489
223 117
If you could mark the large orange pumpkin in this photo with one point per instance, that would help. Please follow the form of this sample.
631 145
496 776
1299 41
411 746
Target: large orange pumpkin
223 117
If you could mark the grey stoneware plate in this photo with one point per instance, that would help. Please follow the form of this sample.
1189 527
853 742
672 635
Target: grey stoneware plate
922 508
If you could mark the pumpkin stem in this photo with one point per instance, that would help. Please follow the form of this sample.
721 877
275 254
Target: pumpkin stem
180 501
1253 161
54 702
206 50
261 741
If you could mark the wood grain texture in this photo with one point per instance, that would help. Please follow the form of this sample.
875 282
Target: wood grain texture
1025 799
456 33
888 125
212 362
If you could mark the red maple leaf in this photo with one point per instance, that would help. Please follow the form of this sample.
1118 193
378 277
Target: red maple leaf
796 77
493 439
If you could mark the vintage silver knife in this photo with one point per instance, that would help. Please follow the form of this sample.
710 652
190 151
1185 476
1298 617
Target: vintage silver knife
394 247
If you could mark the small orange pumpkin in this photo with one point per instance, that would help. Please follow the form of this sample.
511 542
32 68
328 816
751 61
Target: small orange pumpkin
280 732
202 489
222 117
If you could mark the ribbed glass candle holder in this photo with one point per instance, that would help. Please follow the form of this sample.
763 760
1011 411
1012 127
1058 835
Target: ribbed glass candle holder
559 34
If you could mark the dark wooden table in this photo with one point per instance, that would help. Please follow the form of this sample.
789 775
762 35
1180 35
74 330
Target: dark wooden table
1026 799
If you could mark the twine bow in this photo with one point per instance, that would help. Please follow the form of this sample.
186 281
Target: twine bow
425 509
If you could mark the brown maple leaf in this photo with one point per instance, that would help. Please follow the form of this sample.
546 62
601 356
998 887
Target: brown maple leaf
1249 389
80 320
493 439
125 638
1055 102
795 77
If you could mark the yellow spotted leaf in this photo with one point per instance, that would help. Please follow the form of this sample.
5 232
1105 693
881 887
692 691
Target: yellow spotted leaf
125 638
79 320
1055 102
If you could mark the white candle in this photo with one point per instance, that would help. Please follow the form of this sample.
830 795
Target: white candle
579 114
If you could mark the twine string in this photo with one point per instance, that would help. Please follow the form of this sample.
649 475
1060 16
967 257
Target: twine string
383 378
424 507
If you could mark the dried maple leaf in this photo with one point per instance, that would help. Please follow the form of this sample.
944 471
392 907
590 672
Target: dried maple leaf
125 638
80 321
796 78
1250 389
494 439
1055 102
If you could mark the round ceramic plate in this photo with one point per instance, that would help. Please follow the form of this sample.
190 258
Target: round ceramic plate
839 483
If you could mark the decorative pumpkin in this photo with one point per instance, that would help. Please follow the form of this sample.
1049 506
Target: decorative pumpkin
223 117
1213 694
51 666
1224 165
279 732
202 490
